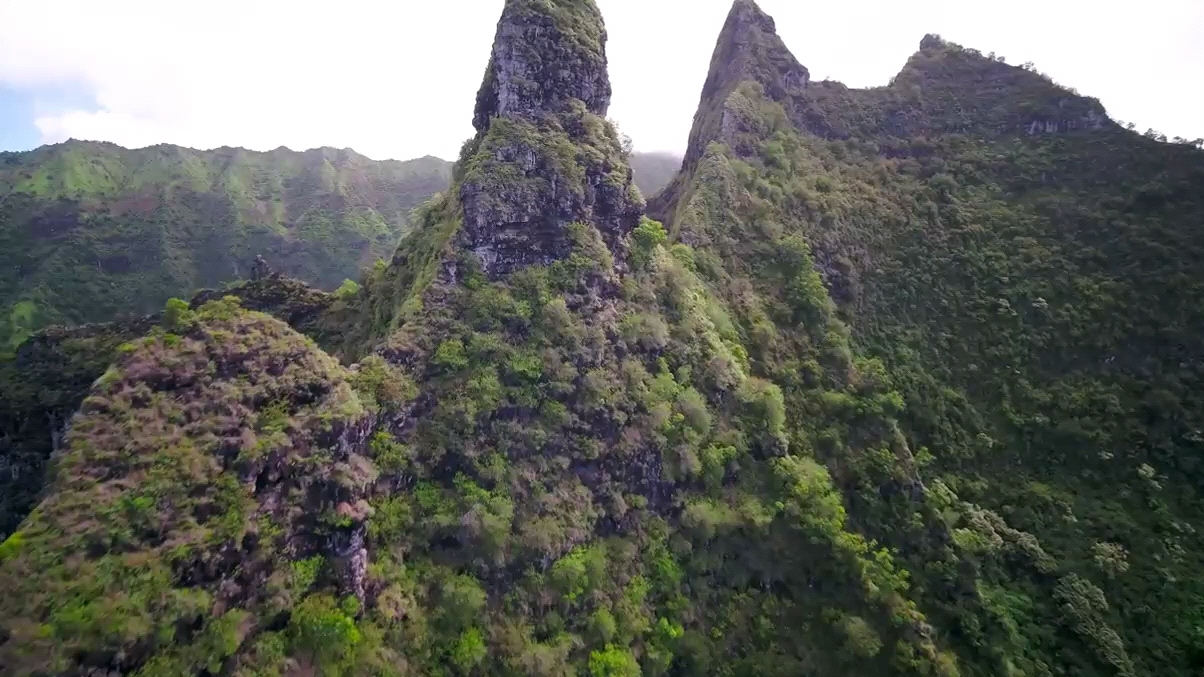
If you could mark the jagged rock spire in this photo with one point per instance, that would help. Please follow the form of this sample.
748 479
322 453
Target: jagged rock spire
544 156
749 49
546 53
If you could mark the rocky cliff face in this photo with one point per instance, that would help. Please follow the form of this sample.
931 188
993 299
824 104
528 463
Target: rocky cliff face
565 451
890 403
544 57
748 49
544 156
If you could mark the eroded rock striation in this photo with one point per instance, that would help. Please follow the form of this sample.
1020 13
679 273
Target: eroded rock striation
545 55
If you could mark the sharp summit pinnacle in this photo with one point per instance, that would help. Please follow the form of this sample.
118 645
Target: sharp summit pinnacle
545 156
545 54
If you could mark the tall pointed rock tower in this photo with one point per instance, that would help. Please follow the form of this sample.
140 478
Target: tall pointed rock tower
544 155
748 50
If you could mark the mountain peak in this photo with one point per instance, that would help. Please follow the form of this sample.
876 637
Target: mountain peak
747 13
546 53
545 157
932 41
748 49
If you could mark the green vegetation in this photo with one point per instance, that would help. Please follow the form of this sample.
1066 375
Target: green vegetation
908 383
43 385
40 390
91 231
1018 268
124 567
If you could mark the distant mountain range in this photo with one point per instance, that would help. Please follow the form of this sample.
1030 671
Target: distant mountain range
90 231
654 171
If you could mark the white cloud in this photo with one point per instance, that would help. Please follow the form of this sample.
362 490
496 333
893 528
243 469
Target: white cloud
398 79
391 79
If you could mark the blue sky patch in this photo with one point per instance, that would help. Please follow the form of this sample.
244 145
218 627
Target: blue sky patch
19 107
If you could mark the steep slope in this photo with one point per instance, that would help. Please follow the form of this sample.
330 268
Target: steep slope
209 475
601 479
910 386
89 231
42 388
1025 270
50 375
559 452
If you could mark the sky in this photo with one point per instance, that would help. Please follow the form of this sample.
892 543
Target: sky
398 78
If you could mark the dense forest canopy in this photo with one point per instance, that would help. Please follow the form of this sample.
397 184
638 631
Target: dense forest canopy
895 381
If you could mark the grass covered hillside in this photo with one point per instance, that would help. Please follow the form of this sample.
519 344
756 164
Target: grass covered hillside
89 231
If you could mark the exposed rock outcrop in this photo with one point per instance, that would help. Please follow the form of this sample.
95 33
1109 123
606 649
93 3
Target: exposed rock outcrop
544 156
748 49
944 88
544 56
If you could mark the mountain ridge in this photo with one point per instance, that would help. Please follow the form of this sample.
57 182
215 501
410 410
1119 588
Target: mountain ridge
749 49
963 220
279 149
92 230
78 212
903 385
